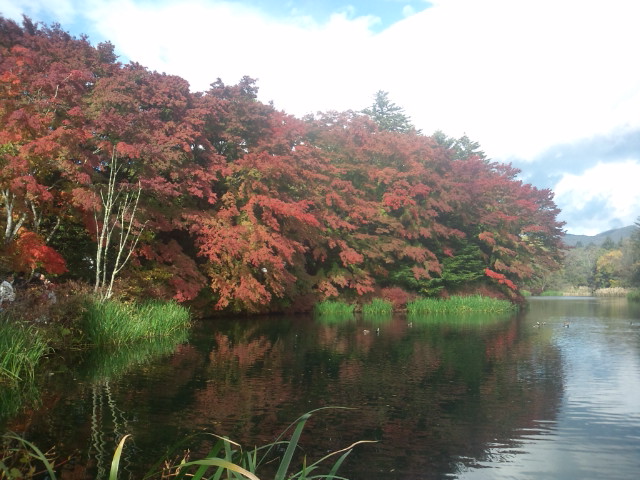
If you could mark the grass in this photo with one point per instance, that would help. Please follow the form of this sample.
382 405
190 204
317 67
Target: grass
226 459
21 349
377 307
634 295
115 323
552 293
457 304
334 308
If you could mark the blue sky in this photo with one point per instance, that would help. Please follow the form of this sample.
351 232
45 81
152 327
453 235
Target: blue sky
549 85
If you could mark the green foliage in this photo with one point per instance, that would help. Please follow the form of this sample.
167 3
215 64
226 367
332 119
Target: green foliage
458 304
460 148
634 295
464 268
388 115
226 459
112 322
22 349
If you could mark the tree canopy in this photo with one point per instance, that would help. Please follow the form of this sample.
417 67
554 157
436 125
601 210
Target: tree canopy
246 207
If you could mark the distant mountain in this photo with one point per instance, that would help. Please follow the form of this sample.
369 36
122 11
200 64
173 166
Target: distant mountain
615 235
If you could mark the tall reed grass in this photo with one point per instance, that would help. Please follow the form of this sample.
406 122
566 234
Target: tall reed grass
114 323
21 349
634 295
334 308
581 291
377 307
457 304
226 459
611 292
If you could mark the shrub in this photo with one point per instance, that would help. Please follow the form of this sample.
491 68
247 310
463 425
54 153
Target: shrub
397 296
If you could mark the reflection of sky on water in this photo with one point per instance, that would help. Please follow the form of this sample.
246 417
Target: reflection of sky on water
597 434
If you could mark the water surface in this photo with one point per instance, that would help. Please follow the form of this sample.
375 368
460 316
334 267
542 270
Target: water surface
464 397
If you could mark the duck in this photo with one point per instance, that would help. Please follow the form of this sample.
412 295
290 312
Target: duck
565 324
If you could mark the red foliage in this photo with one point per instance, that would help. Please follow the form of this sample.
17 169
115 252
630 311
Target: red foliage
501 278
29 253
261 207
397 296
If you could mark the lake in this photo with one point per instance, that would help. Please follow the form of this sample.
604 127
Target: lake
552 392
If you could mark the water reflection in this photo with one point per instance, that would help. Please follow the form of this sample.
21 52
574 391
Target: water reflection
597 434
466 397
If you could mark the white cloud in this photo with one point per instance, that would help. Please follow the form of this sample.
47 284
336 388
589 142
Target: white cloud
614 186
408 10
301 65
62 10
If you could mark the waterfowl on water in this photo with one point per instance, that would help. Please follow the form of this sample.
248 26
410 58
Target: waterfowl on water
565 324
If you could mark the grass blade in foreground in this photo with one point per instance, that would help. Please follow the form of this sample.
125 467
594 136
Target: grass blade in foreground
115 463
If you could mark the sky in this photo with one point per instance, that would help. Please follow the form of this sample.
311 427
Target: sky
551 86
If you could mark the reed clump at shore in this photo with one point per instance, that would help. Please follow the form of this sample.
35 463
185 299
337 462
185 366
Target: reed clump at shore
459 304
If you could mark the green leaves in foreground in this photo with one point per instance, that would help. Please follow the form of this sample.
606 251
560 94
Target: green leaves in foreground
226 459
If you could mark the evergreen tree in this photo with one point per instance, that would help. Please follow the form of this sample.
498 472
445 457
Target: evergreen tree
388 115
462 148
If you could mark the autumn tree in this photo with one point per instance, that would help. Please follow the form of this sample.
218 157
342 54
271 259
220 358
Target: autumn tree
43 131
247 208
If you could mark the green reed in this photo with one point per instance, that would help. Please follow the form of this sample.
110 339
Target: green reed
377 307
334 308
21 349
114 323
457 304
552 293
